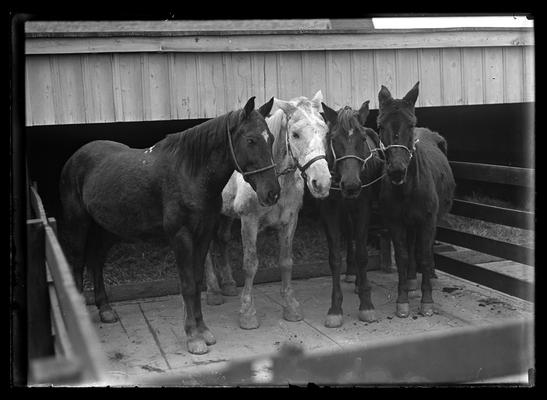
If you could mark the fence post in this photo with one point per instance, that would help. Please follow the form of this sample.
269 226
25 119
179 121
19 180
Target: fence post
40 341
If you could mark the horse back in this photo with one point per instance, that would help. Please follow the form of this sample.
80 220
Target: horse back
432 149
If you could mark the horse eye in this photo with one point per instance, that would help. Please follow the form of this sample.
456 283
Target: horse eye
296 135
251 141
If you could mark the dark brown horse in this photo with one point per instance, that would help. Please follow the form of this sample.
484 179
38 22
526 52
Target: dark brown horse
171 190
417 190
356 170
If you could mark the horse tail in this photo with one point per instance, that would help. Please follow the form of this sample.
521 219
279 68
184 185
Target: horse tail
75 221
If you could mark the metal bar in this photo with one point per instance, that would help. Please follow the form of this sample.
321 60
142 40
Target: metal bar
495 280
493 173
498 215
81 332
460 355
493 247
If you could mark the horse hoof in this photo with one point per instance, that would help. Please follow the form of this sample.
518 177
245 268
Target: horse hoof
214 298
367 315
349 278
208 337
108 316
403 310
426 309
333 321
291 314
197 346
248 321
229 290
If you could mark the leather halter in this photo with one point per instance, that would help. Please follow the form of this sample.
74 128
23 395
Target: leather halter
238 167
293 168
363 161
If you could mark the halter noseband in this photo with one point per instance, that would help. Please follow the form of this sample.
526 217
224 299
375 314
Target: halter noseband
410 152
293 168
363 161
238 167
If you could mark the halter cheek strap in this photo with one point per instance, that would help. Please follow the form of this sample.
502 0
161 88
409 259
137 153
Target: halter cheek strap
238 167
303 168
363 160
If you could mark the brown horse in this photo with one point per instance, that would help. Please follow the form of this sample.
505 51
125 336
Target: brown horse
356 170
417 190
171 190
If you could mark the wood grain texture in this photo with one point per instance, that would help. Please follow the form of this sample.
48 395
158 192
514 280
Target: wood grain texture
120 87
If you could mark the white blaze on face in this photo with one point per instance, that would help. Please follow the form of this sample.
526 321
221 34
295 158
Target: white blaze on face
265 135
350 132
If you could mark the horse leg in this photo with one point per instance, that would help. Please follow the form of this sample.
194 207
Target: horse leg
99 241
214 296
227 282
201 252
425 259
247 313
366 308
351 269
291 307
399 238
412 278
332 229
182 244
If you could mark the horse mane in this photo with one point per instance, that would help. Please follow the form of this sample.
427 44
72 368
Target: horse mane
276 123
348 119
193 146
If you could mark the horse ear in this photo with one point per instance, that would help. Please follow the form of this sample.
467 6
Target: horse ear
363 112
317 99
249 107
412 95
266 108
287 107
384 96
329 114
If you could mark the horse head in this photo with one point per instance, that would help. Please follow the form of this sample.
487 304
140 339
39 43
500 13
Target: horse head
252 151
305 141
396 122
351 146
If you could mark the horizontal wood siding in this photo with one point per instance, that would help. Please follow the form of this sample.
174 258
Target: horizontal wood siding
110 87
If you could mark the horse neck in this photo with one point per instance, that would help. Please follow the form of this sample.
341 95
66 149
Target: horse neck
216 164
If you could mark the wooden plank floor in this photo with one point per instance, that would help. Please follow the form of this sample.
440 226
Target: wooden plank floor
149 339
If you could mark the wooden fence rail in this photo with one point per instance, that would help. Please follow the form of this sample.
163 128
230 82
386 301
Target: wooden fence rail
74 356
521 177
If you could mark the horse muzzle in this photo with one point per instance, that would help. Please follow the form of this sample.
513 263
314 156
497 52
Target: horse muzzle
397 176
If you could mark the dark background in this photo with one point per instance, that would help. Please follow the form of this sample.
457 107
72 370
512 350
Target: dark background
500 134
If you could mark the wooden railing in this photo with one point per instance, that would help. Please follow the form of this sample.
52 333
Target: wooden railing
470 355
522 177
63 345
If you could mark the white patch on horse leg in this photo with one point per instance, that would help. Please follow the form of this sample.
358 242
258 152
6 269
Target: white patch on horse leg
247 313
291 307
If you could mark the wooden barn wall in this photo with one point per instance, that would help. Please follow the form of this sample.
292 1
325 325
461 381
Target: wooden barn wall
114 87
